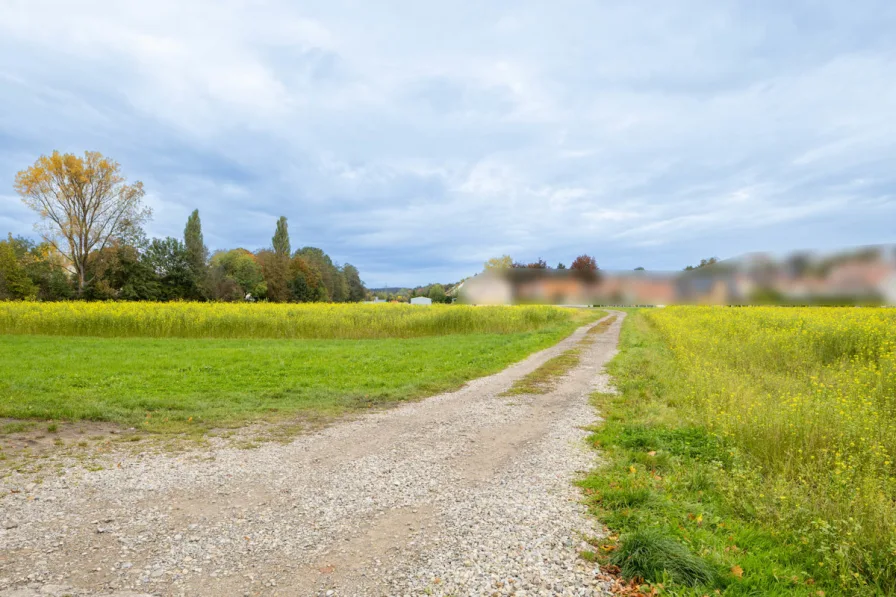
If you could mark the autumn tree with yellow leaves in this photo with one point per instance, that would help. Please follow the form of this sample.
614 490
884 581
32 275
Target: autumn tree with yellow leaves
84 204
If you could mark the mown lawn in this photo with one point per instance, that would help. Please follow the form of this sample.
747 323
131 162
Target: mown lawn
179 383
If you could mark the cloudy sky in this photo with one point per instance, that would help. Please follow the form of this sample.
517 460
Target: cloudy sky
417 139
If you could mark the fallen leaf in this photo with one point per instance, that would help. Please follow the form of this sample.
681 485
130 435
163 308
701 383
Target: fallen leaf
737 571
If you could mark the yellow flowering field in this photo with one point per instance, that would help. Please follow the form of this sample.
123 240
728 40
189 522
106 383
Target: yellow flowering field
270 320
807 396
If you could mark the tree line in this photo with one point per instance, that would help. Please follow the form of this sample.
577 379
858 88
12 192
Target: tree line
583 266
94 247
438 293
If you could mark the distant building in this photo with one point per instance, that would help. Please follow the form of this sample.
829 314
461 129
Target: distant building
421 300
866 275
486 290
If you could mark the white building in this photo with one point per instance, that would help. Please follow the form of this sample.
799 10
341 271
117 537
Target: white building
421 300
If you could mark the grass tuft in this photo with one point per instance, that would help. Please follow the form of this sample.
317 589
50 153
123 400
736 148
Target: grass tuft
651 555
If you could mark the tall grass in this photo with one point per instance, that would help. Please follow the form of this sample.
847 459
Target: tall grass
231 320
807 398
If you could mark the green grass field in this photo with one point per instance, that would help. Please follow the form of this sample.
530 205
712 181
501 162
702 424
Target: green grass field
173 384
749 452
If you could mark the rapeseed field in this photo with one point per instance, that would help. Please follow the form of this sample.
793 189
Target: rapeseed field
269 320
761 438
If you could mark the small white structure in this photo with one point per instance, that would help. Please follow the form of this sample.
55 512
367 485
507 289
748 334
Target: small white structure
421 300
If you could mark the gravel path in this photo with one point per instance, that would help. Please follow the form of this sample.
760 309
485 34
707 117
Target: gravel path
465 493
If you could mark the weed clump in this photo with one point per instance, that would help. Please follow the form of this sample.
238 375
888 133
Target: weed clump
654 556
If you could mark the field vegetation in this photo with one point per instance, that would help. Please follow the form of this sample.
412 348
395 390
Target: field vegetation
750 451
269 320
182 366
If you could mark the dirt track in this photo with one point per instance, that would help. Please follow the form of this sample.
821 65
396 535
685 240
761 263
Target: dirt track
464 493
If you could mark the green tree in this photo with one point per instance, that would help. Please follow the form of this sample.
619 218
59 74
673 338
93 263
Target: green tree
299 289
437 293
499 263
45 267
275 264
340 286
561 266
119 272
15 284
221 287
332 286
703 263
171 261
275 270
197 252
356 290
304 281
241 266
281 239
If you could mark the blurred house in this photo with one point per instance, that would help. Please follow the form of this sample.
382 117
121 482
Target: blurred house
859 276
486 289
565 287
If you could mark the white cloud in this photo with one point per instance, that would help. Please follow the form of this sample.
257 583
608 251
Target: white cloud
419 139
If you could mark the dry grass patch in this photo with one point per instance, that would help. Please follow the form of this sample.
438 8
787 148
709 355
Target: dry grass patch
543 379
602 327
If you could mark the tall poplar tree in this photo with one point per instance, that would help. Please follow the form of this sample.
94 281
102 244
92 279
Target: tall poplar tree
197 255
197 252
281 238
276 266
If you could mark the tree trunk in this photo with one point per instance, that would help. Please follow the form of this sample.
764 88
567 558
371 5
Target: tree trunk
80 281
